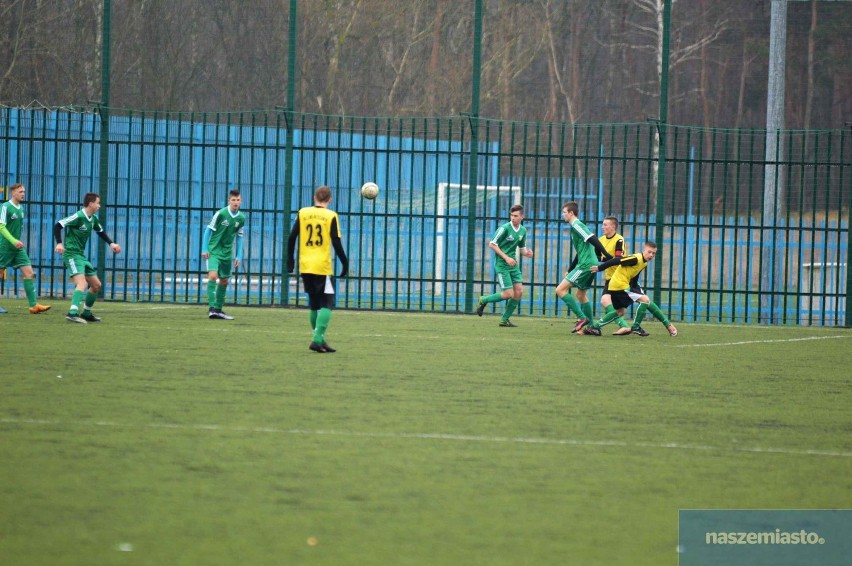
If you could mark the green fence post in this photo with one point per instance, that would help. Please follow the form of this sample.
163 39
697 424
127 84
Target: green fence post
288 149
103 110
847 323
474 157
661 129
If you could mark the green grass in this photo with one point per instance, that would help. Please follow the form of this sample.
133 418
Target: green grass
427 439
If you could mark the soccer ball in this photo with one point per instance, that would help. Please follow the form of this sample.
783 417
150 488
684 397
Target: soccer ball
369 190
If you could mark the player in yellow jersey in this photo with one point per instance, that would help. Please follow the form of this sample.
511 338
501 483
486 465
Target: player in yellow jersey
624 290
613 243
318 230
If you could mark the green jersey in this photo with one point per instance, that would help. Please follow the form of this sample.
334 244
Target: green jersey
587 256
13 217
78 228
225 227
508 239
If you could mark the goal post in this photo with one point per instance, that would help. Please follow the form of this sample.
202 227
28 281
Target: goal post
453 196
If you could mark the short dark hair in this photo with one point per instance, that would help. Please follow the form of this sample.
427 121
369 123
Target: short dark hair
650 244
613 218
90 198
323 193
516 208
572 207
234 193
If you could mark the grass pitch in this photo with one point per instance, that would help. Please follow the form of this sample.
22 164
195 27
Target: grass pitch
162 437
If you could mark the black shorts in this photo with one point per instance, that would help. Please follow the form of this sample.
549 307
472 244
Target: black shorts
620 299
320 290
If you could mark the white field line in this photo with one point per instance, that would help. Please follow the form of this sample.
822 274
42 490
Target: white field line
745 342
441 436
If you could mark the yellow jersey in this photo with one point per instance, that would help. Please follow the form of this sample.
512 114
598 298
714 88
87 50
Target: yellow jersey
625 274
317 225
615 247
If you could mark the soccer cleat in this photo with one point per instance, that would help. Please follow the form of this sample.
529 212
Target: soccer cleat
3 311
39 308
507 324
217 313
639 331
622 331
89 317
589 331
314 347
672 330
75 318
480 308
327 348
580 324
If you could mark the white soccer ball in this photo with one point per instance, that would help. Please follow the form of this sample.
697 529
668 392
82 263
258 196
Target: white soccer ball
369 190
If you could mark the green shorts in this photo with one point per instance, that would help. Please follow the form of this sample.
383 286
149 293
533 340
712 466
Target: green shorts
580 278
220 265
508 276
78 265
13 257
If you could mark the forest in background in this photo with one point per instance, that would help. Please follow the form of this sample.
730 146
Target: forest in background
570 61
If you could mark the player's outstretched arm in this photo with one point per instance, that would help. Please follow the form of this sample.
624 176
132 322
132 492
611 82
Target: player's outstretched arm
602 253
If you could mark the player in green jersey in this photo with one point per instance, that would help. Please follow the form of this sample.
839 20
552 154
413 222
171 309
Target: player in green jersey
509 238
222 247
588 249
12 252
624 290
78 227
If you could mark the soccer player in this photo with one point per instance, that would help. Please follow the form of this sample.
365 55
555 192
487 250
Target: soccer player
219 249
588 249
508 238
613 243
12 252
624 290
78 227
318 230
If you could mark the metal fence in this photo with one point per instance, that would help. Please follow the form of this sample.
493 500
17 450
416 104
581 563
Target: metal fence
422 245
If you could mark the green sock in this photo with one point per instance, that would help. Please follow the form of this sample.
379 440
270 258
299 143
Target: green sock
610 314
220 296
587 310
572 304
511 305
76 299
90 300
29 289
621 322
313 320
211 293
640 315
323 318
655 310
495 298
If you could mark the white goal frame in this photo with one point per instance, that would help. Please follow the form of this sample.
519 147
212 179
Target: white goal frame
440 224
